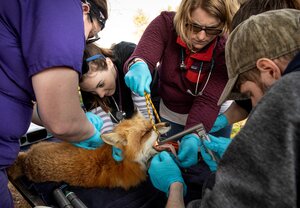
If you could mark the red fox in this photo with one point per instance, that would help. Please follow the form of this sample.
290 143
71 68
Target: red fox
63 162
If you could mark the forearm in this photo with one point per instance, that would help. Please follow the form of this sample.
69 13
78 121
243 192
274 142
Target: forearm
175 199
202 113
235 113
35 116
59 105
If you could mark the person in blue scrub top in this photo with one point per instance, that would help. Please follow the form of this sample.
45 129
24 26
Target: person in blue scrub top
42 44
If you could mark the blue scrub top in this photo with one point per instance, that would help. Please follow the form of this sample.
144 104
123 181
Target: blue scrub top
34 35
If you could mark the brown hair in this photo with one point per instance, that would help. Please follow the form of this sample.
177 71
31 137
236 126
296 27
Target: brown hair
100 4
254 7
90 100
253 75
221 9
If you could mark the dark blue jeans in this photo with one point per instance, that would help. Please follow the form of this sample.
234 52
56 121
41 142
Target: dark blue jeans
175 128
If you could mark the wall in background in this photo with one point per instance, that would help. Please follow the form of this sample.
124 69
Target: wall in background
128 19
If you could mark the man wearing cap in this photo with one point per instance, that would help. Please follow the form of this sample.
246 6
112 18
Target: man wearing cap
260 166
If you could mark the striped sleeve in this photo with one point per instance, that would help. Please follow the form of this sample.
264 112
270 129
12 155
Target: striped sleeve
140 104
107 122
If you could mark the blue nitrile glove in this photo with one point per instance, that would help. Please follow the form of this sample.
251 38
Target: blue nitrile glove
163 171
138 78
208 159
117 154
94 141
188 150
217 144
220 123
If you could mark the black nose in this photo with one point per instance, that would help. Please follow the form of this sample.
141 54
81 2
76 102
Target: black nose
168 124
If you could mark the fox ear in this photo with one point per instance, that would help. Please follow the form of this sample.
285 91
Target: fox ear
113 139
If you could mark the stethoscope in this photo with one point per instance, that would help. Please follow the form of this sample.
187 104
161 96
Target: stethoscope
182 65
183 68
120 114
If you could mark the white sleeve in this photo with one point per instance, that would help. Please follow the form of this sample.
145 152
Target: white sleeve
225 106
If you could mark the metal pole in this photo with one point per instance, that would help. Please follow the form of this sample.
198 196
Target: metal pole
200 130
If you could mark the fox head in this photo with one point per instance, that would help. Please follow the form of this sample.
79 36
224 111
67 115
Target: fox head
136 138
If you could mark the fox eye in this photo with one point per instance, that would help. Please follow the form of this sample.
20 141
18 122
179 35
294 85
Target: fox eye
147 131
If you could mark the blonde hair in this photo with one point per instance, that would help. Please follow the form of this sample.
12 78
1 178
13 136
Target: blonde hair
221 9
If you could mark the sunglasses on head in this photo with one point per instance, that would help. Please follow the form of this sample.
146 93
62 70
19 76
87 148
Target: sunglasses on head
96 13
195 28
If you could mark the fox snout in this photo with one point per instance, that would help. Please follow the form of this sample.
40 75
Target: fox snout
163 127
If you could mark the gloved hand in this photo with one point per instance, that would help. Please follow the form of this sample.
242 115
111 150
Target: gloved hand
117 154
163 171
95 140
138 78
217 144
188 150
220 123
208 159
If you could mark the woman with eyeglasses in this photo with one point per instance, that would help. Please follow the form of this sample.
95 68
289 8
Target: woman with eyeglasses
42 44
189 47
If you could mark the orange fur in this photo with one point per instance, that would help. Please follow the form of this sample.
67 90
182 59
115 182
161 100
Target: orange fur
63 162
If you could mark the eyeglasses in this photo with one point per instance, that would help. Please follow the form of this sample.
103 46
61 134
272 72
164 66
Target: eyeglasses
195 28
93 39
97 14
100 18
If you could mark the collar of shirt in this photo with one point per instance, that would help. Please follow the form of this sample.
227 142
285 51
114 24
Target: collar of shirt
294 65
203 55
194 61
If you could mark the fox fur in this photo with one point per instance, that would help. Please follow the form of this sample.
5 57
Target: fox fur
64 162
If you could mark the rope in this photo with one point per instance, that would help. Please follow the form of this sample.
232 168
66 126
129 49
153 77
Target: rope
149 103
